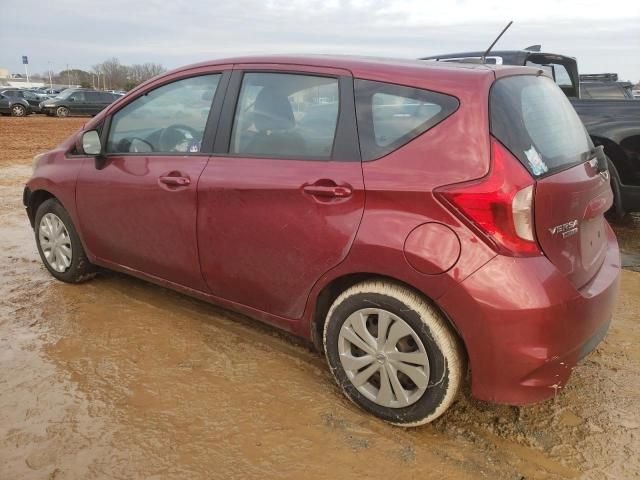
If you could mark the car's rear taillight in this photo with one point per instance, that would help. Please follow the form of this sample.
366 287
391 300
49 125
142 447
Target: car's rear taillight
499 206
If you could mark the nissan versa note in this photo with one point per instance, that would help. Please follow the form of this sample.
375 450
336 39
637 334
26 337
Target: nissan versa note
417 222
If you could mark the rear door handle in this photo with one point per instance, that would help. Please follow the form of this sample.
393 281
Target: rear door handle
175 181
328 191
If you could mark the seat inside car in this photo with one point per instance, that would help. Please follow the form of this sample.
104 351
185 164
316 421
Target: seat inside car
274 121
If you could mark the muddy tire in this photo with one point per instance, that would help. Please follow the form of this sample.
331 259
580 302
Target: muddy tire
18 110
392 353
62 112
59 244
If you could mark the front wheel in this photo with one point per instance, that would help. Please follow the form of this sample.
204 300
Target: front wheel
18 110
392 353
59 244
62 112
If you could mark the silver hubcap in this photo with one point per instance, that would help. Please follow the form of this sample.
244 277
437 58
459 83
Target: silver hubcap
55 242
18 110
63 112
383 357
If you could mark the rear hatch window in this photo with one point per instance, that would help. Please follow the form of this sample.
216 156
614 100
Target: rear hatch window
533 118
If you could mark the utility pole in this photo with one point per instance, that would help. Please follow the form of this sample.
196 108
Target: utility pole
25 61
68 76
50 80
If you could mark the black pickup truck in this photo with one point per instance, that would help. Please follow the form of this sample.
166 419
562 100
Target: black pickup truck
615 124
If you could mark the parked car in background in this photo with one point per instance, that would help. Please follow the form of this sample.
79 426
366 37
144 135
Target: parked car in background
52 91
613 123
39 93
76 101
32 98
598 90
604 86
243 182
13 104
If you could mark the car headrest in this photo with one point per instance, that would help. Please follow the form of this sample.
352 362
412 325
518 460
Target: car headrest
272 111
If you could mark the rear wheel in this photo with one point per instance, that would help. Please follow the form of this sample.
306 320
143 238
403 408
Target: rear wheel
62 112
392 353
59 244
18 110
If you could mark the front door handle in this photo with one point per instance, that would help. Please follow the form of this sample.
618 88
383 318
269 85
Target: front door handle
328 191
175 181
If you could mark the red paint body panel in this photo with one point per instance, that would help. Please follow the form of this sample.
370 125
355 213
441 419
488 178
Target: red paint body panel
245 235
280 239
432 248
56 174
131 219
524 323
579 193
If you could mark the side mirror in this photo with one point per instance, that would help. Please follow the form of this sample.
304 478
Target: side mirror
91 143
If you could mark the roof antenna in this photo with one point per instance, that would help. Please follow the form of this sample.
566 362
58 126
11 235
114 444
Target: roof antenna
484 55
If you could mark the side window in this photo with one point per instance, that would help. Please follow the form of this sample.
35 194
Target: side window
92 97
286 115
77 96
30 96
171 118
603 90
389 115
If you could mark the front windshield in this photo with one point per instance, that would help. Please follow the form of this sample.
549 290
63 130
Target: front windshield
64 94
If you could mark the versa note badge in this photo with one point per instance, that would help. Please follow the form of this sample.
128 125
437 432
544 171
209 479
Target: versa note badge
566 229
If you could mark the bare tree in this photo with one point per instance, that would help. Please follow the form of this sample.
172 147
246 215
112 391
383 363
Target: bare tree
111 74
141 72
114 72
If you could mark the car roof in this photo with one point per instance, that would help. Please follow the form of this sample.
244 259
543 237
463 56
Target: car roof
441 76
346 62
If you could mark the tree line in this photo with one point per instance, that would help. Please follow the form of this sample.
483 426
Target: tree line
108 75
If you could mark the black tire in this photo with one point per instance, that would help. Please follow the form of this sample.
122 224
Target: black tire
18 110
446 357
80 269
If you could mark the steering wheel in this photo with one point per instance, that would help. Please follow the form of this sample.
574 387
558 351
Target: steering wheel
174 135
140 145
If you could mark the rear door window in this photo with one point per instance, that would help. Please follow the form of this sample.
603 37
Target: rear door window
533 118
286 115
389 116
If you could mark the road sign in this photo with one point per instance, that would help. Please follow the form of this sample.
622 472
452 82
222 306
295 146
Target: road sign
25 60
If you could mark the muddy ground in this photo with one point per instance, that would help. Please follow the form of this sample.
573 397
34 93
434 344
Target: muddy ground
117 378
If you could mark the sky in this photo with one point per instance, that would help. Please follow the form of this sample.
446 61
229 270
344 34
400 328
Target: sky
604 35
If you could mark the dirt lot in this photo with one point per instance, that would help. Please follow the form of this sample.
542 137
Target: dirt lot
117 378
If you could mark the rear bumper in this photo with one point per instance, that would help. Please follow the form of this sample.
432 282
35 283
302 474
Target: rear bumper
526 326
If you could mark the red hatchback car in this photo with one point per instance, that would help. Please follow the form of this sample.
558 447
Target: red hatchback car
415 221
